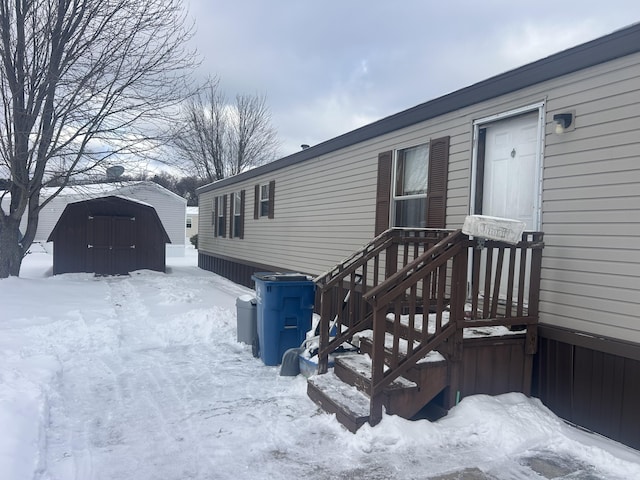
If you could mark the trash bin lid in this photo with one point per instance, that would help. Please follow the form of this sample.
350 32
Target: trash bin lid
280 277
246 300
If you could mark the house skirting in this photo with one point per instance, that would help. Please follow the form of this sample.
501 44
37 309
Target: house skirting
590 381
236 270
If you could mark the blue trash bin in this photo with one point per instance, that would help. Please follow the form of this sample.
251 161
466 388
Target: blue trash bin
285 307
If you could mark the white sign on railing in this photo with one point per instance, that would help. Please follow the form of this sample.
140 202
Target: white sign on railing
493 228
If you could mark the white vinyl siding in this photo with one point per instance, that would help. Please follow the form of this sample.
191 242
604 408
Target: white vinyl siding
170 207
590 201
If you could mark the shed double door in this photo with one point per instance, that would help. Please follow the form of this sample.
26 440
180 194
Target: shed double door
111 244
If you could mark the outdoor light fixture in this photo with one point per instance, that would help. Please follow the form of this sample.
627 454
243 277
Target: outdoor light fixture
562 121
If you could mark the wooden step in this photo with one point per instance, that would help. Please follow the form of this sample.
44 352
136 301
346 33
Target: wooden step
349 404
403 397
432 359
356 370
420 321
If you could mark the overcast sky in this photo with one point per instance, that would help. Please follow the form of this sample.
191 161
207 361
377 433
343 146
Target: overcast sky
329 66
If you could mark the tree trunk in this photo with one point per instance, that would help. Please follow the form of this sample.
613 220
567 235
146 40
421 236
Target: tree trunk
11 251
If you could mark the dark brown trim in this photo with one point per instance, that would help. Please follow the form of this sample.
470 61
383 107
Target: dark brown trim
215 216
618 44
224 213
383 192
437 183
232 197
256 202
272 197
603 344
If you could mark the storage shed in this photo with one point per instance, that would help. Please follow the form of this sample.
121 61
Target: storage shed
108 236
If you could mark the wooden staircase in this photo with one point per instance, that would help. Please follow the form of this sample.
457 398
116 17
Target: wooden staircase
405 305
405 396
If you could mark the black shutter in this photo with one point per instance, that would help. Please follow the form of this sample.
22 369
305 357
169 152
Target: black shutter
215 216
272 196
224 214
241 229
383 192
437 183
231 216
256 203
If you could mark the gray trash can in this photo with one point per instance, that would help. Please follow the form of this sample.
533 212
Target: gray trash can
247 325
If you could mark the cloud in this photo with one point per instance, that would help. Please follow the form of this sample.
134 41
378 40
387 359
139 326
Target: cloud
329 67
533 41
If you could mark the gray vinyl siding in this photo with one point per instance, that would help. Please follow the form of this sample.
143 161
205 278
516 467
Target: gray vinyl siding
324 207
591 206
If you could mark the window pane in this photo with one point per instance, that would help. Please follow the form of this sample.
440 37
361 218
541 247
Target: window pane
411 173
236 226
264 192
411 213
264 208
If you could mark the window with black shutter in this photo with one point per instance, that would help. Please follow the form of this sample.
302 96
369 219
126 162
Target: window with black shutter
264 200
412 186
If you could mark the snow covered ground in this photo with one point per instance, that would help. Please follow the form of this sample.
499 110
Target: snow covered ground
141 378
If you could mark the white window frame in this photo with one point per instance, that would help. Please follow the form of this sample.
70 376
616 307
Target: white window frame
394 183
264 200
236 212
221 214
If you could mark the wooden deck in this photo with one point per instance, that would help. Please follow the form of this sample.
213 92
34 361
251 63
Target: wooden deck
438 315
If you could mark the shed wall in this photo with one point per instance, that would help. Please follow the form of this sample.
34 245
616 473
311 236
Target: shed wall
131 231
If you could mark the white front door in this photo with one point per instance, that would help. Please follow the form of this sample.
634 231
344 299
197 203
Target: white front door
506 179
510 187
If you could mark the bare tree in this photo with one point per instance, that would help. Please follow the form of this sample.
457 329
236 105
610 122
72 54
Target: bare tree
82 82
217 139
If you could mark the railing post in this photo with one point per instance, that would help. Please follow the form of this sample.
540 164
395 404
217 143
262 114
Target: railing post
325 309
456 315
391 264
531 342
377 364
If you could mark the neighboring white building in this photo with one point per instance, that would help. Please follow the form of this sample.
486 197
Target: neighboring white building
171 208
192 221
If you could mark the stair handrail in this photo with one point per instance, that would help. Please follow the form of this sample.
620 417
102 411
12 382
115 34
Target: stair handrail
341 270
386 243
454 246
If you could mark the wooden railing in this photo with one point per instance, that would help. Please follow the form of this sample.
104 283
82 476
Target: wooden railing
343 311
411 287
435 281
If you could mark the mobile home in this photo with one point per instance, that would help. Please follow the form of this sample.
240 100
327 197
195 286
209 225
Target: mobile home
554 144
